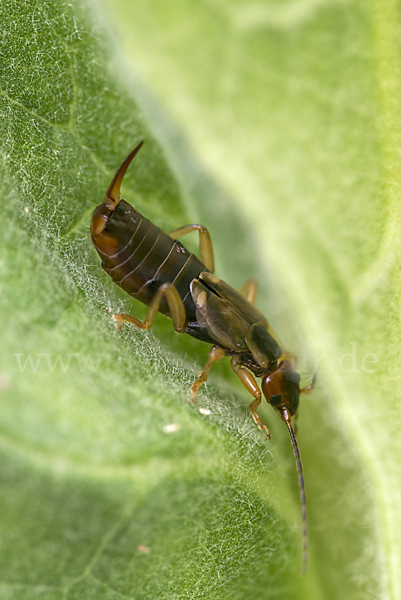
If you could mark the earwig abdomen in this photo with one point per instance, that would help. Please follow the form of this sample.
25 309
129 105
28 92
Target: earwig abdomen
140 257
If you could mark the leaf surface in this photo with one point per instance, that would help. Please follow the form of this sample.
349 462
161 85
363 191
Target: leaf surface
280 124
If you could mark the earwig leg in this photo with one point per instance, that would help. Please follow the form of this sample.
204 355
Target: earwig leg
249 290
215 354
309 387
304 390
248 381
206 254
175 304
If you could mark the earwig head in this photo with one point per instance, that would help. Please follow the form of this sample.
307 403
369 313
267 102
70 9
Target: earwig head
112 197
281 388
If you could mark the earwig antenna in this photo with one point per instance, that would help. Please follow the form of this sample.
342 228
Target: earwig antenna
287 419
113 192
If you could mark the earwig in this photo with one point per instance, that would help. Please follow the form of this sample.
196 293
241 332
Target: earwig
155 268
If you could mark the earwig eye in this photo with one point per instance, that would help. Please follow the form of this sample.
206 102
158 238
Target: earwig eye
276 399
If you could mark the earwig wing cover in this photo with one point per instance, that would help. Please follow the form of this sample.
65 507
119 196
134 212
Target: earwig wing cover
240 304
218 319
237 301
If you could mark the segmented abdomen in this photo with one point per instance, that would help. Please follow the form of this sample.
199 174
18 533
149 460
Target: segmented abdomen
140 257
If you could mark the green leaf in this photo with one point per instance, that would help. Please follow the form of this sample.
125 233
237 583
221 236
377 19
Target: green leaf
279 129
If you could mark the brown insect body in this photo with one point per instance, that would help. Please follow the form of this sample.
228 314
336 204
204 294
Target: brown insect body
155 268
140 258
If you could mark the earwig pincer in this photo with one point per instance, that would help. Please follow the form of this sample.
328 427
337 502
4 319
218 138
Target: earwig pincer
155 268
